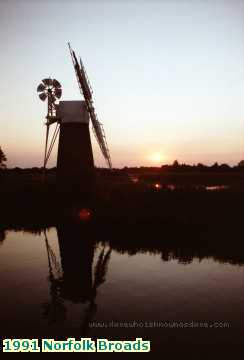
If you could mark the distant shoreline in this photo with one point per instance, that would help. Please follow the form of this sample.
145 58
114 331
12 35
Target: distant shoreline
123 199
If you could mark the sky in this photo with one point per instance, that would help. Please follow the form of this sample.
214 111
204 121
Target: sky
167 77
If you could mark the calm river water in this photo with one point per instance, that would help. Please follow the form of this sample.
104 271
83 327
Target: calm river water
60 283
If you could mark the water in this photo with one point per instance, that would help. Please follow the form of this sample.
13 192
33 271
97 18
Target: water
172 187
66 284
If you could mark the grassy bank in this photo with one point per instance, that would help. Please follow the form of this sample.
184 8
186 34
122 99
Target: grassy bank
118 200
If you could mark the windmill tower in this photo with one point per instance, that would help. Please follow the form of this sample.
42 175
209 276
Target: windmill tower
75 165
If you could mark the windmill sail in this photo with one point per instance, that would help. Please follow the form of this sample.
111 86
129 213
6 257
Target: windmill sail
86 91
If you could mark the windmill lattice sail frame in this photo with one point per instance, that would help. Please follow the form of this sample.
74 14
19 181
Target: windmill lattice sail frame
86 91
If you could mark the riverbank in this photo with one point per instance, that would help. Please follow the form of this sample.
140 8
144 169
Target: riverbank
119 202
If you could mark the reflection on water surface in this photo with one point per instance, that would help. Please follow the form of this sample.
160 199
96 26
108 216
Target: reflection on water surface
62 282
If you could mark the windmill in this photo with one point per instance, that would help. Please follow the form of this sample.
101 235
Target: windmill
75 165
50 90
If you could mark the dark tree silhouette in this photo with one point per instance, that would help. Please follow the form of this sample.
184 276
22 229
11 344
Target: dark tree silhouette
215 165
175 164
2 159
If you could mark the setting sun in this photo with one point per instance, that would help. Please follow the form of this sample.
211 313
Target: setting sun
156 157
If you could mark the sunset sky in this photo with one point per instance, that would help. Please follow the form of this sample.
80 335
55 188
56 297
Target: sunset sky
167 76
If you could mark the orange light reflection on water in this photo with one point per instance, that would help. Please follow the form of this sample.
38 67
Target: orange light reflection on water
85 214
158 186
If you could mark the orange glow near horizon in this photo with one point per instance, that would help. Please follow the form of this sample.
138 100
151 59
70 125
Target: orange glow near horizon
157 157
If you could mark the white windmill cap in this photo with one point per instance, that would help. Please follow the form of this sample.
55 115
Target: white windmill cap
73 112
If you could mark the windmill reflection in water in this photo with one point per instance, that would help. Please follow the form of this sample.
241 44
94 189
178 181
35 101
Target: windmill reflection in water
75 278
